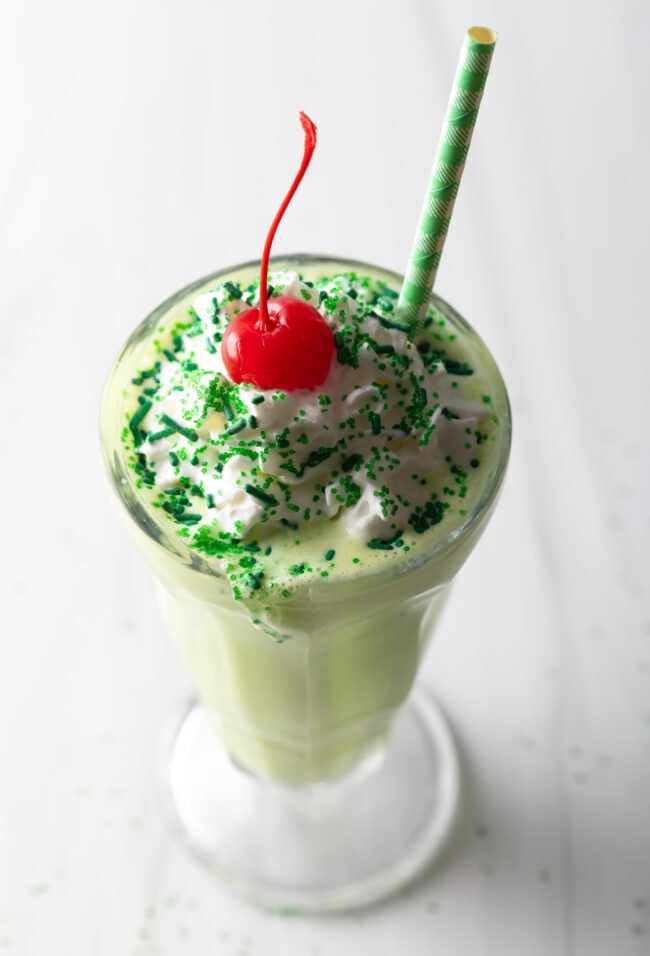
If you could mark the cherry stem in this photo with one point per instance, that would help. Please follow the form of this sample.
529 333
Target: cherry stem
264 323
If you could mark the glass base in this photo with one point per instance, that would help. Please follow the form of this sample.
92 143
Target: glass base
322 848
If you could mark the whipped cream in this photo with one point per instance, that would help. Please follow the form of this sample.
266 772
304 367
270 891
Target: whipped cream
365 449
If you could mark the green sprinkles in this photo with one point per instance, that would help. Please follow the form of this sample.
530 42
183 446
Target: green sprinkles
352 462
262 496
385 544
397 409
145 407
253 579
393 324
375 423
238 425
188 433
163 433
233 290
291 525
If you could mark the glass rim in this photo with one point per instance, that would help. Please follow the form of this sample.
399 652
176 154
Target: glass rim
374 578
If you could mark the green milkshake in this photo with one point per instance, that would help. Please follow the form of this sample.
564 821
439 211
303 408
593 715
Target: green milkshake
303 540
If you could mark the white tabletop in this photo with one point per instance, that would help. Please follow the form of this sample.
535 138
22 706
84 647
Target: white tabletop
147 143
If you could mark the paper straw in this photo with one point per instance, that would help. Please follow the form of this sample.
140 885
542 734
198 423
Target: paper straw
448 165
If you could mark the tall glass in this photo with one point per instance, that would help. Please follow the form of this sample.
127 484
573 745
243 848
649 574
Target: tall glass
310 774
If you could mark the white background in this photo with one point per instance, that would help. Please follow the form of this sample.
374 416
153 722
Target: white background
147 142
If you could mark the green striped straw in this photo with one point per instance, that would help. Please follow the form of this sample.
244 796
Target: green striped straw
448 166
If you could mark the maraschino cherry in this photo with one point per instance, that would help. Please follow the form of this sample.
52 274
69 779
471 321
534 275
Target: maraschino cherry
285 343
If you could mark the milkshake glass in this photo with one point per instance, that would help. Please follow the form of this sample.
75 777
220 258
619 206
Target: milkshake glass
309 775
